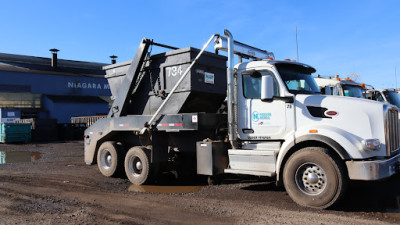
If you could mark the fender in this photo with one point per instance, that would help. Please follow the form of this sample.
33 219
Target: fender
324 139
310 137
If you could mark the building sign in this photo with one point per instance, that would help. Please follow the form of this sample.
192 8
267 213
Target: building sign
88 85
9 120
9 115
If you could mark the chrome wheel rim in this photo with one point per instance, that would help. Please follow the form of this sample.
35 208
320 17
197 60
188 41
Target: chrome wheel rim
311 179
135 166
106 159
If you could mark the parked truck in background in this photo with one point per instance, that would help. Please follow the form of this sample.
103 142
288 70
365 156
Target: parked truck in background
334 85
169 113
389 96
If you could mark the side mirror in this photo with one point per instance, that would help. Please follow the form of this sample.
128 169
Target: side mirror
267 88
328 90
336 91
369 95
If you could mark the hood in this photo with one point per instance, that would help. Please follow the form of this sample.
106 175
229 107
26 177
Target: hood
354 118
338 101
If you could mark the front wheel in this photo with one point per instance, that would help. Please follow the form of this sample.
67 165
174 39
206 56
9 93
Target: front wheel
314 178
137 165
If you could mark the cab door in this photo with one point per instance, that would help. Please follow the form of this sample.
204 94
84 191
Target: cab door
259 120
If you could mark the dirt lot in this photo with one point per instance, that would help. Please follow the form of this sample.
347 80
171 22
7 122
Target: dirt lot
58 188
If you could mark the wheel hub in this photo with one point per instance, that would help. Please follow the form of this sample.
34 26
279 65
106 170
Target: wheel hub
106 159
109 159
135 166
139 165
311 179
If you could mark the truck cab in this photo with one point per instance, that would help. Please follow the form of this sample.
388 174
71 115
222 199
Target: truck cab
334 85
389 96
299 136
270 119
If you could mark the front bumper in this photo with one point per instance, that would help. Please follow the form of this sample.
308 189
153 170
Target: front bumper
373 170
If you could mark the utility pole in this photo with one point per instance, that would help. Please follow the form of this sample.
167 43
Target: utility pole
395 75
297 46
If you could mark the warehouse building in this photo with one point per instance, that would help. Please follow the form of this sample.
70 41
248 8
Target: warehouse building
37 87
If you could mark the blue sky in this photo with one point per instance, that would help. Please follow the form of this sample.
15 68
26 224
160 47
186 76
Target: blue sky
336 37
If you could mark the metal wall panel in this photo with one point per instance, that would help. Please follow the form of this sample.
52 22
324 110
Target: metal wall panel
55 84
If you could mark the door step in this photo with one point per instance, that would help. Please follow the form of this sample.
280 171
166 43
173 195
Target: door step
250 172
255 145
252 160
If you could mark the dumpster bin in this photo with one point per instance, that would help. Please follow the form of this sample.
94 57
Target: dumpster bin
15 132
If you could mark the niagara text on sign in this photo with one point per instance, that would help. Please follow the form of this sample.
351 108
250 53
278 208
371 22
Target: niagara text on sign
88 85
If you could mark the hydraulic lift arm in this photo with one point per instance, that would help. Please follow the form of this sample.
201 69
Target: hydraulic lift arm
130 81
120 102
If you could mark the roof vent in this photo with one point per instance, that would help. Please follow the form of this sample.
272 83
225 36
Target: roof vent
54 57
113 59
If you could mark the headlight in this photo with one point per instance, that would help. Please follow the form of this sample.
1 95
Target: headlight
371 144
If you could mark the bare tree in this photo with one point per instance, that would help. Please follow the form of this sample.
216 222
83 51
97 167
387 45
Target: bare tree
354 76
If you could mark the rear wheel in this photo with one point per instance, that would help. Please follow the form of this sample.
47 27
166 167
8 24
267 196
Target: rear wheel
110 159
314 178
138 168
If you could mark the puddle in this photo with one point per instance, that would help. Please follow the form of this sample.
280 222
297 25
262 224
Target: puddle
164 189
10 172
18 157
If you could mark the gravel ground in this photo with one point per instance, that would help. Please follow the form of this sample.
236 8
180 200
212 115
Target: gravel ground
59 188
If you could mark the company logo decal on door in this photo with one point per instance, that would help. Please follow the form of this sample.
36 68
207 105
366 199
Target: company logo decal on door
259 118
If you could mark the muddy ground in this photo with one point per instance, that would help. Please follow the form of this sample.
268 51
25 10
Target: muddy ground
57 187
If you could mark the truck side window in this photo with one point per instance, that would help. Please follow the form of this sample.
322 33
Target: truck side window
298 85
379 97
252 85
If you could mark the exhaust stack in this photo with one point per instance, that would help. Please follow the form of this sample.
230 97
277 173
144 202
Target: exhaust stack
54 57
113 59
230 85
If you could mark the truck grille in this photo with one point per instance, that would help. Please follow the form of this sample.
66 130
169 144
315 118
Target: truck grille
392 130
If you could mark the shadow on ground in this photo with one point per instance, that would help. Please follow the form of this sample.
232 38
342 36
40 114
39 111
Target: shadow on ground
375 196
361 196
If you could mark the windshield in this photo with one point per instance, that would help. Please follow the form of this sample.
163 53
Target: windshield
393 98
353 91
298 79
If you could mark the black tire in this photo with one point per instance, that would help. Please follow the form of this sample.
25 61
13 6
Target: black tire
215 179
314 178
110 158
138 168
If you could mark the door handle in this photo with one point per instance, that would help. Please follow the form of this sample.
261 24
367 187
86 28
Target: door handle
247 131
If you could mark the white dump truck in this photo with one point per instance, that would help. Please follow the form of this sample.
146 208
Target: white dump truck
183 110
334 85
389 96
